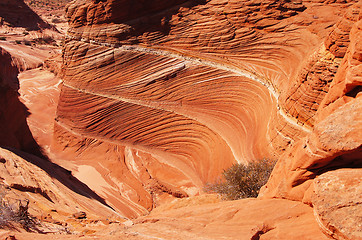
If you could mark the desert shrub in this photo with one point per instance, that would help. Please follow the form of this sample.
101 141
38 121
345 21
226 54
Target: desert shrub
3 38
10 215
6 213
242 181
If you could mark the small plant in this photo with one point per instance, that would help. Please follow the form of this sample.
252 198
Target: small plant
242 181
3 38
6 213
10 215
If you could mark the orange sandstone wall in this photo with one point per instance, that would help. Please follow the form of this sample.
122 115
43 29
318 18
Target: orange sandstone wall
159 96
336 140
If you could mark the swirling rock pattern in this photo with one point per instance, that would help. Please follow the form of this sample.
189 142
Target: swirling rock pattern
160 96
335 141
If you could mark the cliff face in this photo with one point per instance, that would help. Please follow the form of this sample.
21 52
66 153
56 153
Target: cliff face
14 131
159 96
335 141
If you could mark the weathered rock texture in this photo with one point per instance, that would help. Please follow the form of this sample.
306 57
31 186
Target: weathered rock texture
243 219
159 96
39 92
195 220
53 193
336 139
337 203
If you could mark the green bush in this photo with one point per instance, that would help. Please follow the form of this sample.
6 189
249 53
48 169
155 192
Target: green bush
242 181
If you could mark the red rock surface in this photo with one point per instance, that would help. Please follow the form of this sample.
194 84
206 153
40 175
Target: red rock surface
337 203
158 97
270 219
49 188
15 58
166 94
56 196
39 92
335 141
242 219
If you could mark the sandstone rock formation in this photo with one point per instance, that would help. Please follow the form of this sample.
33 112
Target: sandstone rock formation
158 97
20 30
47 186
337 203
336 139
270 219
39 92
242 219
164 95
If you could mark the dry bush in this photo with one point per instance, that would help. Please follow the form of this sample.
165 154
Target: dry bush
11 216
6 213
242 181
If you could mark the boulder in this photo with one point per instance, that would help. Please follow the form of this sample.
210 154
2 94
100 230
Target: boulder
337 203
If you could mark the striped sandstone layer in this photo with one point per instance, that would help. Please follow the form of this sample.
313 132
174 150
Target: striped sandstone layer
159 97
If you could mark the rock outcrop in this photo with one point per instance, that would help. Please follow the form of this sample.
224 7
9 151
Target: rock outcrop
241 219
53 193
337 203
158 97
335 141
